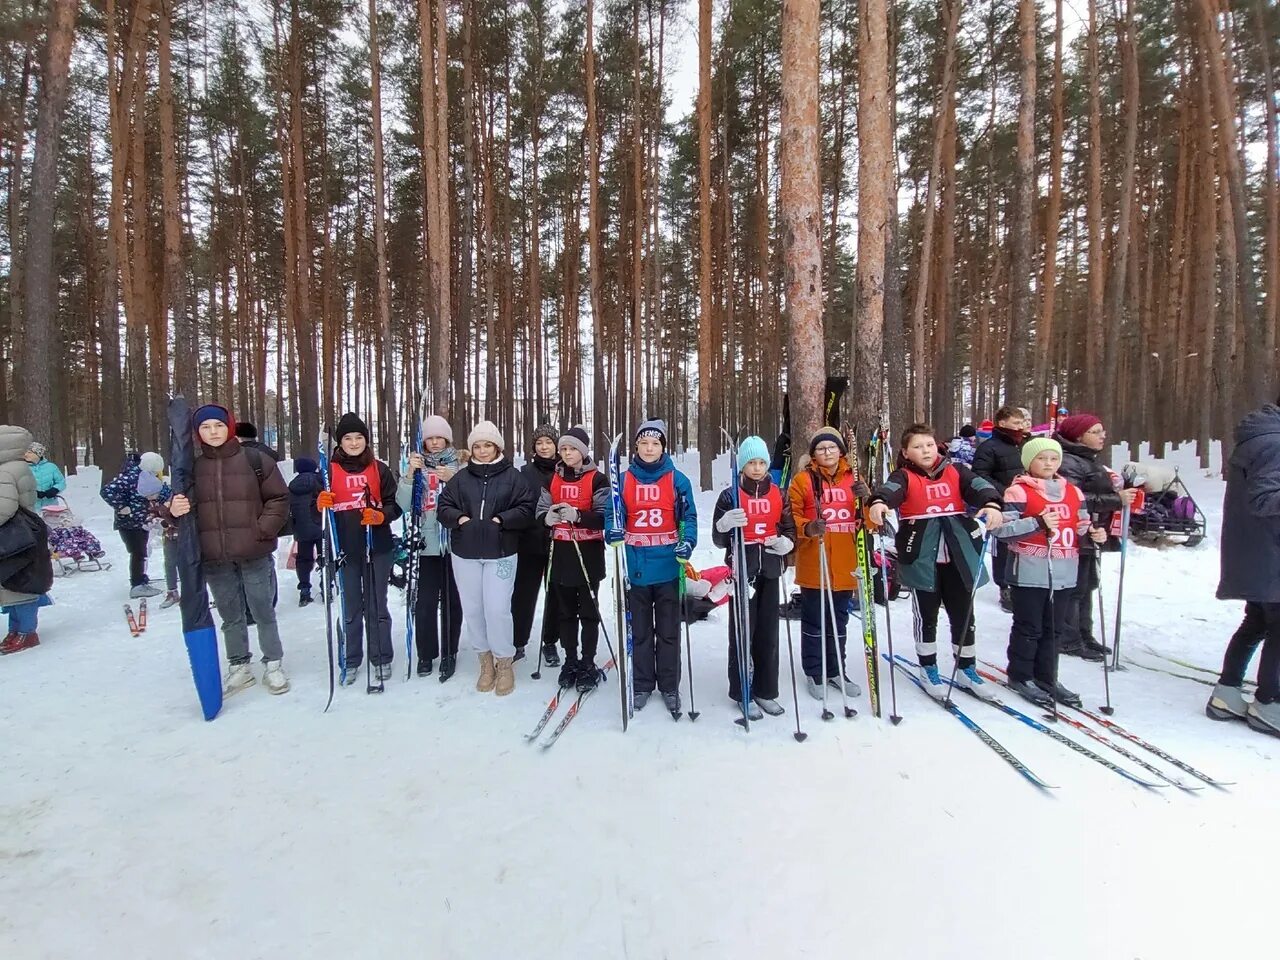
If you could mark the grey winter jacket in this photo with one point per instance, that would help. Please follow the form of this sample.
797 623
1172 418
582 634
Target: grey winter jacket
433 543
1251 511
1024 569
17 488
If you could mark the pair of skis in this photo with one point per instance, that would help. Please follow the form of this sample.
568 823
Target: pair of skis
621 585
554 704
138 624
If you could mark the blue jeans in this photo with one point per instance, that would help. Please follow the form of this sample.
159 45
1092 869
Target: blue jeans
23 616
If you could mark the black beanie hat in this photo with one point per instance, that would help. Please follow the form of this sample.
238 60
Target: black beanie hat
350 423
246 430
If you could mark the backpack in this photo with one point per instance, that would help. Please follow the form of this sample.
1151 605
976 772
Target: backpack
261 463
879 559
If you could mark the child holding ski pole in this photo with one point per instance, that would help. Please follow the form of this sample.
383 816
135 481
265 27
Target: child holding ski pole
940 549
656 499
362 494
437 590
1047 516
535 553
575 507
768 534
822 499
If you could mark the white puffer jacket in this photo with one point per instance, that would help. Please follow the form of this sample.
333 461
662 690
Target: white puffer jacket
17 488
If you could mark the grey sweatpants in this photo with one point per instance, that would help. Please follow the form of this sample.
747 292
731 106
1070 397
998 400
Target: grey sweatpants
255 581
485 586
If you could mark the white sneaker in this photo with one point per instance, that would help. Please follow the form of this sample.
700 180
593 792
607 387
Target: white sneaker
771 707
239 676
851 689
143 591
274 677
814 688
970 680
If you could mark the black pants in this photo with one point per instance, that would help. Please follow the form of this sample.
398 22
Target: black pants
355 599
1037 623
1079 623
813 611
655 630
999 563
1261 625
577 605
135 541
954 596
306 562
763 611
531 571
435 577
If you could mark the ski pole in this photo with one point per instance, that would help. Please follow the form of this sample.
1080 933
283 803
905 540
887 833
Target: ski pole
800 735
1102 626
968 617
684 617
370 614
894 718
1053 633
822 623
546 594
1124 555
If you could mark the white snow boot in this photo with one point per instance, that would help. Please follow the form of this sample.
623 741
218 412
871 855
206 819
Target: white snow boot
772 707
753 711
144 591
1265 717
1226 703
933 683
851 689
274 677
969 679
239 676
813 686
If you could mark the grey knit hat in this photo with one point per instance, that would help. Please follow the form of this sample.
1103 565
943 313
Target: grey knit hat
577 438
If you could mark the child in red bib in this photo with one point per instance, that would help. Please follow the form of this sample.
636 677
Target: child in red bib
1046 520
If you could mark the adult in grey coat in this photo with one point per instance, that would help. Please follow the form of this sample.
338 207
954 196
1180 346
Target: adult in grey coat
17 489
1251 571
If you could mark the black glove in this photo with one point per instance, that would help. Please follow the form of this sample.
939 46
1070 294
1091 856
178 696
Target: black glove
47 494
861 490
815 528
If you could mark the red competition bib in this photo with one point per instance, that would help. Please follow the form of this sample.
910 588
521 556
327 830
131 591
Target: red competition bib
763 514
839 506
431 495
651 511
1066 542
355 491
939 497
576 493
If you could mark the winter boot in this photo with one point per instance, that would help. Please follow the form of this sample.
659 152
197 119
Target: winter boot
569 672
382 671
506 677
813 686
934 685
1227 703
519 655
274 678
589 678
640 698
1093 654
1032 691
772 707
1064 696
485 682
353 674
304 596
424 667
1093 646
447 666
851 689
1265 717
170 599
142 591
671 701
550 655
239 676
17 642
1006 599
753 711
969 679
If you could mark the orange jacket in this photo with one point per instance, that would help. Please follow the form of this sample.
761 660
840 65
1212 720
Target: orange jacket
842 554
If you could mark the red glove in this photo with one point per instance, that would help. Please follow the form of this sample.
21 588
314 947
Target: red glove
371 518
324 500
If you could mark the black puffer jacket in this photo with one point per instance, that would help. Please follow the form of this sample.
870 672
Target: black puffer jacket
999 458
760 561
303 490
538 473
486 492
1080 465
1251 511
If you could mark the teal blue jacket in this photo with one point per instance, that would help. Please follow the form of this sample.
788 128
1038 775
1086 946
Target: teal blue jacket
48 477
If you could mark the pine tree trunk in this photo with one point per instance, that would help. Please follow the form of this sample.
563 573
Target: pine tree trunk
1094 333
1046 375
35 368
185 343
705 319
1018 356
387 409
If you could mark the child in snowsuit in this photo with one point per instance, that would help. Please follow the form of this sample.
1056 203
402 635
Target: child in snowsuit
575 506
659 525
768 532
1046 517
939 549
49 479
437 588
535 551
362 496
486 506
308 530
132 513
240 509
823 497
157 493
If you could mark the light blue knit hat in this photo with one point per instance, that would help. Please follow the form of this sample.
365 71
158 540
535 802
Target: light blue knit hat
752 448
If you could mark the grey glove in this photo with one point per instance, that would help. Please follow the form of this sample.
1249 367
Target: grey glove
569 514
732 520
552 517
779 546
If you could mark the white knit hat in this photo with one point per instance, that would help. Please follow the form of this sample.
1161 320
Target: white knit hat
437 426
486 432
151 462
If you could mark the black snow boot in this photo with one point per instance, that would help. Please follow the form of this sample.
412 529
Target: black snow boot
1064 696
569 672
424 668
447 666
551 655
1006 599
588 677
304 596
519 655
1030 690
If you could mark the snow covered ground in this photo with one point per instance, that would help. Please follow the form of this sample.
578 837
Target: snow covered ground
420 823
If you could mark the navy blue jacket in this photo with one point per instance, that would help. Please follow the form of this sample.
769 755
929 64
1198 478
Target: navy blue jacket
1251 511
303 490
